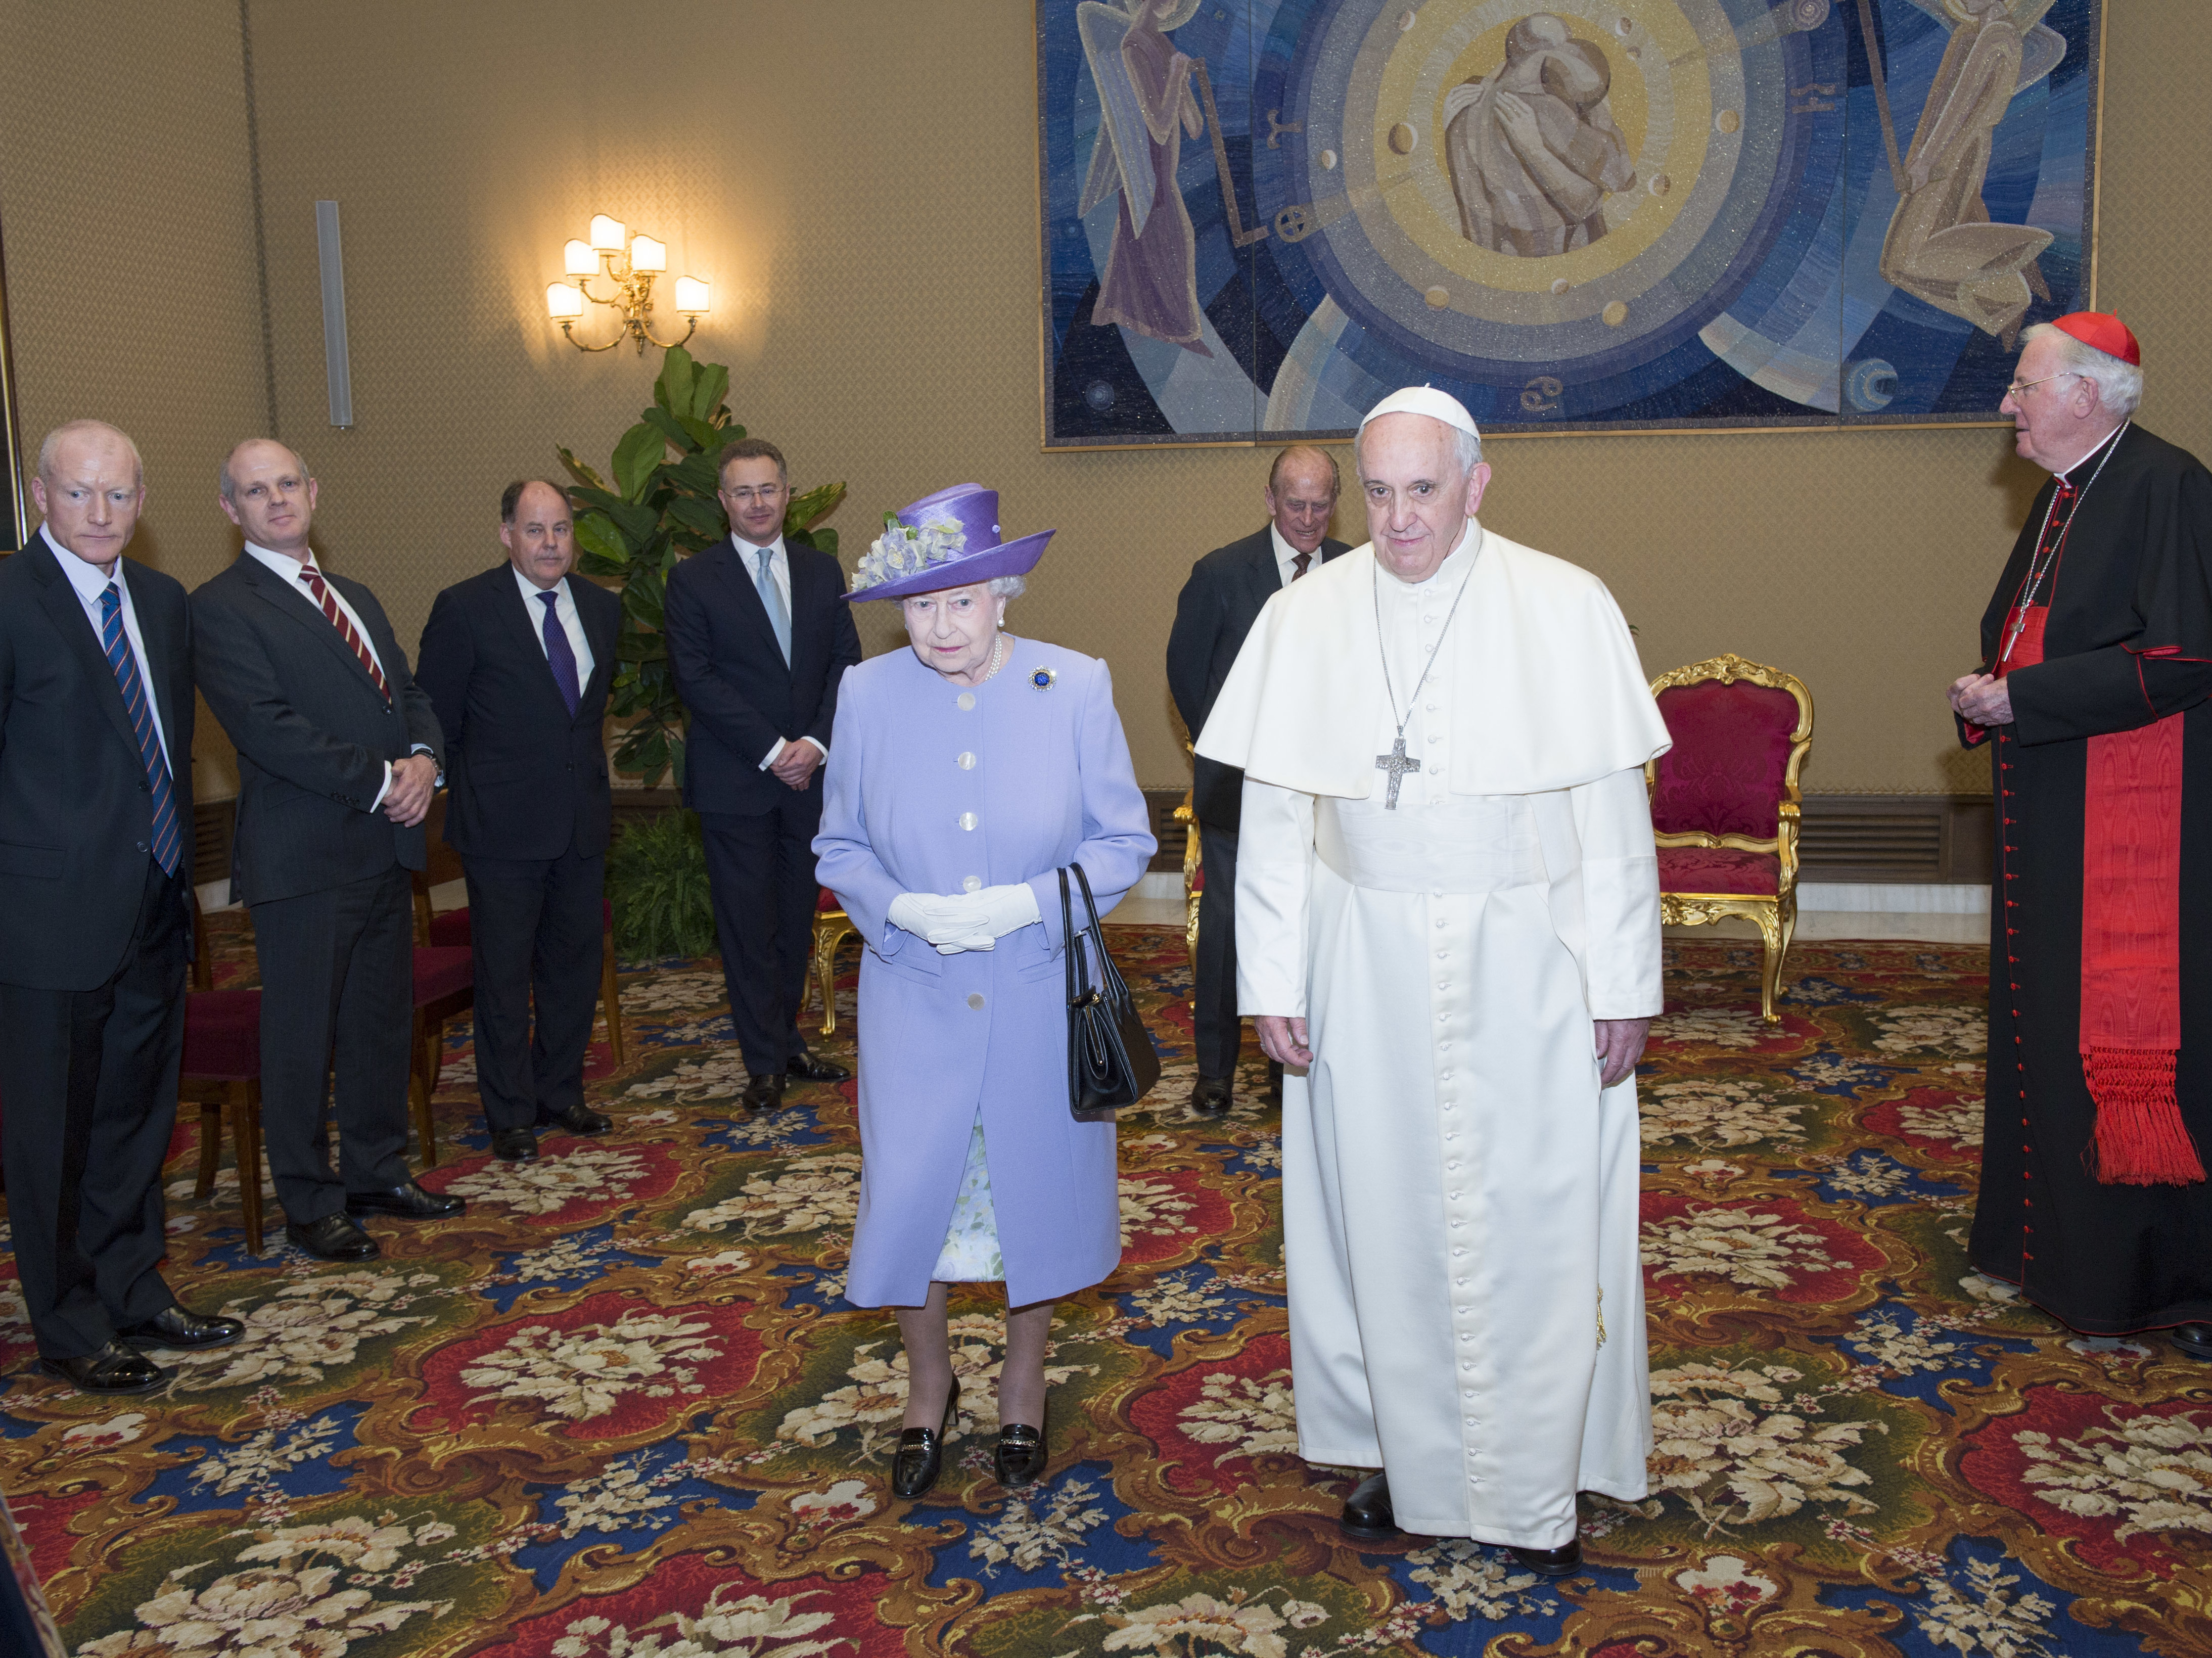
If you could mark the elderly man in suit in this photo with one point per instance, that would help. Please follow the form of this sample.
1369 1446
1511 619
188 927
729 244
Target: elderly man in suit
517 662
338 755
95 919
759 635
1219 603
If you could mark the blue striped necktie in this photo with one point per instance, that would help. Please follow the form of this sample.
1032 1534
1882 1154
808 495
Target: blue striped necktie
168 843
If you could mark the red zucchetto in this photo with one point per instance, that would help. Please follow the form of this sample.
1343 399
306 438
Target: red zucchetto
2105 331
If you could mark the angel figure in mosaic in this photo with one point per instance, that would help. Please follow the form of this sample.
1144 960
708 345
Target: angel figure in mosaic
1941 247
1146 109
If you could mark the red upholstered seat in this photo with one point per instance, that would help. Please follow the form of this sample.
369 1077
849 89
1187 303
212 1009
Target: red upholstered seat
1724 774
452 927
222 1034
826 901
441 971
1718 869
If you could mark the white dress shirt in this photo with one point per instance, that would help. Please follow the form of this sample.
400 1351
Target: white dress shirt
1286 555
287 569
89 584
572 621
779 571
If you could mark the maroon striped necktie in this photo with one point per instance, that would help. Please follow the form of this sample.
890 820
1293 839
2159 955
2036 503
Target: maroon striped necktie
328 602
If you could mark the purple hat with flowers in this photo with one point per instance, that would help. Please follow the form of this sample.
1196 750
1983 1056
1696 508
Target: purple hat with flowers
950 539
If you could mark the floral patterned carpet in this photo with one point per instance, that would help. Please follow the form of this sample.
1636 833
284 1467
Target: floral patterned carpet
620 1409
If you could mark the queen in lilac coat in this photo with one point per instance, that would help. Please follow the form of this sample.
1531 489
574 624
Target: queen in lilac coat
963 773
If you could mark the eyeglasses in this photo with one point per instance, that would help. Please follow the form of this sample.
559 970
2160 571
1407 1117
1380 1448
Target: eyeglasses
767 494
2020 389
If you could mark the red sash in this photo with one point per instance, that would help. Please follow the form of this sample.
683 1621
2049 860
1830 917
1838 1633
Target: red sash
2130 945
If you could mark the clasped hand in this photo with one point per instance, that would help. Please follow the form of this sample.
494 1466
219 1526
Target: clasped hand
967 921
1982 699
407 799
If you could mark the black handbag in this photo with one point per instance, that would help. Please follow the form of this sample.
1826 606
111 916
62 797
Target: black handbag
1111 1060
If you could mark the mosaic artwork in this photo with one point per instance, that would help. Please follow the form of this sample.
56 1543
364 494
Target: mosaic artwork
1260 217
620 1408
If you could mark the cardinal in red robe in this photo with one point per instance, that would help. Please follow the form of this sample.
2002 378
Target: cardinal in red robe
2092 700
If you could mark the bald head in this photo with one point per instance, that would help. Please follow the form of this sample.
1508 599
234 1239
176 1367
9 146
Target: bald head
1301 494
89 488
267 493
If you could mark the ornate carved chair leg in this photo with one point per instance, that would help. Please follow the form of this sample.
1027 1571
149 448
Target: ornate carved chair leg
211 1149
825 976
428 1037
1770 976
246 1146
610 998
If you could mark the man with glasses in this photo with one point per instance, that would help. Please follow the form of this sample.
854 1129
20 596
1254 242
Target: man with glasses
1219 603
759 635
2092 700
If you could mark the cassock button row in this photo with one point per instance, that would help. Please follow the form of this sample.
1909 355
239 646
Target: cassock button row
1440 923
976 999
1459 1252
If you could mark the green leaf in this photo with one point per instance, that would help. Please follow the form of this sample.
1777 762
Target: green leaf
672 429
805 510
701 518
637 457
704 437
579 472
825 538
696 473
597 537
708 391
673 390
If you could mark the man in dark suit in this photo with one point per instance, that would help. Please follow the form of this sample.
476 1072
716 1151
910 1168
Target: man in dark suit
338 755
758 636
517 662
1219 603
95 918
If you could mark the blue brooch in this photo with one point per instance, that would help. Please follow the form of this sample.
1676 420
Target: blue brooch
1042 678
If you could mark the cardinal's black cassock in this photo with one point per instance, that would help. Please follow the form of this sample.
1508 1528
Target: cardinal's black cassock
2093 1197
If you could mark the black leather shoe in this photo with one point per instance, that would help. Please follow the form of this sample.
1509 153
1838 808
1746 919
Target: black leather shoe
407 1200
921 1450
1021 1452
1553 1563
2193 1339
179 1328
515 1145
334 1237
1211 1097
1367 1513
763 1094
810 1069
577 1118
110 1370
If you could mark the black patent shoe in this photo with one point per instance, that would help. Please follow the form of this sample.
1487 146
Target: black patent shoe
921 1451
576 1119
1551 1563
334 1237
1021 1452
407 1201
515 1145
2195 1340
761 1094
107 1371
1368 1515
178 1327
808 1068
1211 1095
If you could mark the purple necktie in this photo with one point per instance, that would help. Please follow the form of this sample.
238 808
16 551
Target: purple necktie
558 653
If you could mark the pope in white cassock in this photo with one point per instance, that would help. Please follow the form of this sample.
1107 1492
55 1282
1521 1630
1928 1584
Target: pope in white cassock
1448 917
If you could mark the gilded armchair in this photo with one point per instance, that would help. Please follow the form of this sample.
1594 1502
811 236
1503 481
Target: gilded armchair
1725 802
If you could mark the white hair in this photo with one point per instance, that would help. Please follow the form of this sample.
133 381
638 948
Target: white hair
2119 384
1467 443
1007 587
52 443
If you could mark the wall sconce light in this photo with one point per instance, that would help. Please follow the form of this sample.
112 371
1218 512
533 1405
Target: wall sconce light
630 263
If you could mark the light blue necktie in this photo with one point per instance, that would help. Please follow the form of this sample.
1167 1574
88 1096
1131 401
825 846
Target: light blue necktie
778 617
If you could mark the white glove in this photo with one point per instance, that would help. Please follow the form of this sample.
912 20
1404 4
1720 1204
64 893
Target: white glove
950 924
1006 909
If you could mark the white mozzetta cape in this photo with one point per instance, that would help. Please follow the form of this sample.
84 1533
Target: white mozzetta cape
1541 650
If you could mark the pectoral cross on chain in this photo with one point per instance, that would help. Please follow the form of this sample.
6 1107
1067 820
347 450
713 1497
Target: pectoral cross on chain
1397 762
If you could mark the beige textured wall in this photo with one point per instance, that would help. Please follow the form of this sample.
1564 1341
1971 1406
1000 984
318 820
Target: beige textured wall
857 179
128 215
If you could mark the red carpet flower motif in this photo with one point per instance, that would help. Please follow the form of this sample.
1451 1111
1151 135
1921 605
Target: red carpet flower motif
810 1194
1736 1466
309 1329
584 1373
